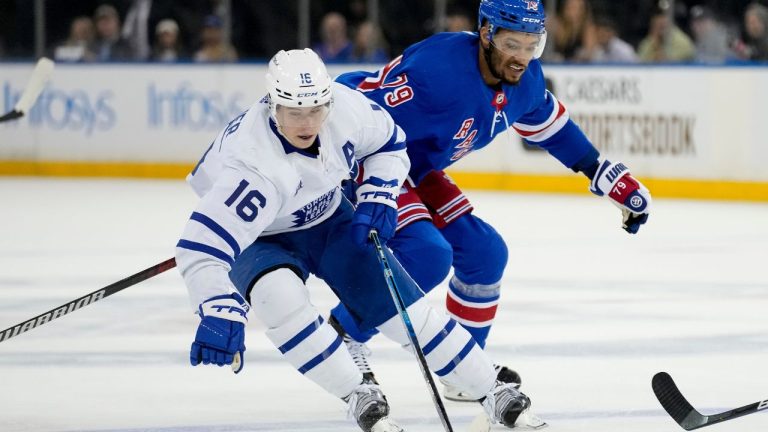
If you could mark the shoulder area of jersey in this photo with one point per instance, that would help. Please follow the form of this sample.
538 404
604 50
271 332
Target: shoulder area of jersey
446 41
348 102
535 71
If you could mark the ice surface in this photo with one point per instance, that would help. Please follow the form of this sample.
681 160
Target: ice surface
588 315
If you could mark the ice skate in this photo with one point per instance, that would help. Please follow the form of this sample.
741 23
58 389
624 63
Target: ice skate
506 405
368 406
503 374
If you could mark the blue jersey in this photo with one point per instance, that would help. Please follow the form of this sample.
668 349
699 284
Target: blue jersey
436 93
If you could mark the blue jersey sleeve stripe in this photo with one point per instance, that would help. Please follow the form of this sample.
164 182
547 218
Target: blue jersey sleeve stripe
212 251
456 360
439 337
300 336
322 356
392 145
218 230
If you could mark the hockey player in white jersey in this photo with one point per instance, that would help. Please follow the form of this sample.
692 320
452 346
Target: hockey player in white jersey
271 213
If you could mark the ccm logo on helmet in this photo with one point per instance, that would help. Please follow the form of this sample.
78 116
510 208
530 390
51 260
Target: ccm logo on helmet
301 95
531 20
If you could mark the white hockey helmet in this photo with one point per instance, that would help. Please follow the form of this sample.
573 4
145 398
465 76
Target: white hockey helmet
298 79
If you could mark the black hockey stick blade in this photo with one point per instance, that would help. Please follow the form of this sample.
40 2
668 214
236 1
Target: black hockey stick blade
11 115
87 299
673 401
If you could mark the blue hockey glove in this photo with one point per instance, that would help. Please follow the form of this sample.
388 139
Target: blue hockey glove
220 337
376 209
380 217
626 192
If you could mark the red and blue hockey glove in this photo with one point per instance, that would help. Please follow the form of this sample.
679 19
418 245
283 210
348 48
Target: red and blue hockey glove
376 209
220 337
626 192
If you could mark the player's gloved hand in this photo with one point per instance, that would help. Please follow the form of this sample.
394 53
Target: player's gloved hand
625 192
220 337
380 217
376 209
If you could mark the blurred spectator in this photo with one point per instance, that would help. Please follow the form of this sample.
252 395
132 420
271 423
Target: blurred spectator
77 46
369 45
571 29
665 41
221 9
143 16
459 21
168 46
709 35
754 46
334 43
357 12
214 47
109 45
607 46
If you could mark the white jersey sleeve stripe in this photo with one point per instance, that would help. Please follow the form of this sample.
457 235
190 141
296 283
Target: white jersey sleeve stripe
549 131
556 106
208 250
541 131
218 230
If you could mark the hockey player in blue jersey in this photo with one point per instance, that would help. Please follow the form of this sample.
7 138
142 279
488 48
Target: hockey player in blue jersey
452 94
271 213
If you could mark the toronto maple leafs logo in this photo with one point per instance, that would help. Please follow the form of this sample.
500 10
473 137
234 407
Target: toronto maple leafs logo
312 211
533 5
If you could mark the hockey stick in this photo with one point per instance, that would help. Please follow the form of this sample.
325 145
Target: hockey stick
400 305
37 80
86 300
683 412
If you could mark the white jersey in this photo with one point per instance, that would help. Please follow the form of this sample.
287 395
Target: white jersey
252 182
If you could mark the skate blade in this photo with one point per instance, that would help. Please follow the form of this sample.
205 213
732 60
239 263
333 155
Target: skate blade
527 421
386 425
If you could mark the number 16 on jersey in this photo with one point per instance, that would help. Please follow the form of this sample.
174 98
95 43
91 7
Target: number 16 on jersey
247 207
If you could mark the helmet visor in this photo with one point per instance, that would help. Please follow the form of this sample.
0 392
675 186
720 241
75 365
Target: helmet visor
525 46
305 117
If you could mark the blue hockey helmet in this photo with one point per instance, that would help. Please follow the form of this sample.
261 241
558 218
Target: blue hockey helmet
526 16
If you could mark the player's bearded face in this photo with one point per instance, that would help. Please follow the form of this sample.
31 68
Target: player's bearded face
509 52
301 125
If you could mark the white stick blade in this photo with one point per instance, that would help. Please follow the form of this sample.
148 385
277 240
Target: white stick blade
37 81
